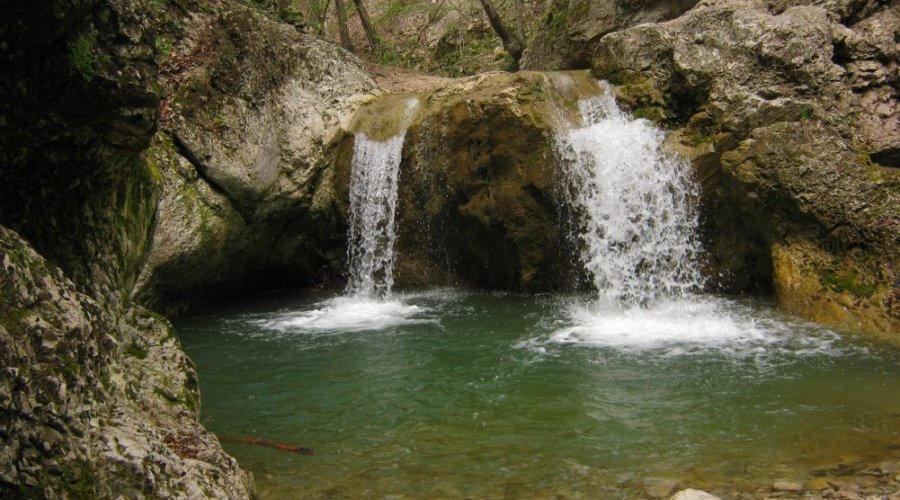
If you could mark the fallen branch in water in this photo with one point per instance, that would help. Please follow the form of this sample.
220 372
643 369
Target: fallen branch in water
292 448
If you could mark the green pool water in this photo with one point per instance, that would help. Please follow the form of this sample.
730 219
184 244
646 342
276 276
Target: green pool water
446 394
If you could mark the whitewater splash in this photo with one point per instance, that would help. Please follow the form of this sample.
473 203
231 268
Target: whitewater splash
636 218
692 325
347 314
367 303
635 205
373 202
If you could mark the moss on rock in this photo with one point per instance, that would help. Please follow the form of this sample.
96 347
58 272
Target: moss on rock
850 292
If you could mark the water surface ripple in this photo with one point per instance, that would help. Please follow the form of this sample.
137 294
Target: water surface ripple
448 394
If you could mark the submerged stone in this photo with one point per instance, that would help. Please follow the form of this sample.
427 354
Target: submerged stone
787 486
692 494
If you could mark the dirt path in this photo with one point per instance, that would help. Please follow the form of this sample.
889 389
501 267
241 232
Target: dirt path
399 80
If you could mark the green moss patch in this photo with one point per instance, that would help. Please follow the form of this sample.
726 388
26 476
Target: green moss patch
846 281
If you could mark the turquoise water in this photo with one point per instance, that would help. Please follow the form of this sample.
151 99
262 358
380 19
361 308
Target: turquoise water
449 394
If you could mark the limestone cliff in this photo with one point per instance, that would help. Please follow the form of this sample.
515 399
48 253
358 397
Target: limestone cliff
789 111
251 111
95 401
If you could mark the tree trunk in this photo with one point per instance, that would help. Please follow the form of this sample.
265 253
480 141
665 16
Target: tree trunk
511 43
281 7
323 16
374 41
520 19
342 25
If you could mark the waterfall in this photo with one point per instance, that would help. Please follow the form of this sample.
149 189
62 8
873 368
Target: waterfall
373 200
636 216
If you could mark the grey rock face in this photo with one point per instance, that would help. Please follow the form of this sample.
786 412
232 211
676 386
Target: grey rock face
790 114
96 405
572 29
97 400
244 158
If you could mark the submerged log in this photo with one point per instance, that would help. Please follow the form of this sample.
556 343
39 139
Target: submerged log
278 445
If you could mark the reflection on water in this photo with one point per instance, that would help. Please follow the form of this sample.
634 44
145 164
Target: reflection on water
446 394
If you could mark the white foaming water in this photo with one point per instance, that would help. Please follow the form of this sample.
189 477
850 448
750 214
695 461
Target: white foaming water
373 202
636 221
635 210
347 314
690 325
375 170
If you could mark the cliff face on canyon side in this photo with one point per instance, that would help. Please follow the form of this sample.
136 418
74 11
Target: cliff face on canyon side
788 111
152 153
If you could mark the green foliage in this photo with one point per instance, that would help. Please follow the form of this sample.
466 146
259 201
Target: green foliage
398 9
388 56
555 20
699 135
82 55
163 46
80 480
846 281
136 351
157 6
70 365
806 113
219 122
652 113
509 64
459 55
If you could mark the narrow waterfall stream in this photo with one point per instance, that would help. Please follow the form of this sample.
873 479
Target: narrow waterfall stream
367 303
373 204
643 383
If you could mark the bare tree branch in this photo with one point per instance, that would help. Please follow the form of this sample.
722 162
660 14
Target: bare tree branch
342 25
512 43
374 41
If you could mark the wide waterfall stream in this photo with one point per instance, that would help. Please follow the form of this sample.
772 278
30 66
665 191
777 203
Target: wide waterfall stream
446 394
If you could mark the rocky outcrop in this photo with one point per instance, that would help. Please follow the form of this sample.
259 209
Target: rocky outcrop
571 29
478 200
789 112
251 113
95 404
97 400
77 107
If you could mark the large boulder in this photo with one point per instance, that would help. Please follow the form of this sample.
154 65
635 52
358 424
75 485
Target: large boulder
479 194
789 112
94 404
571 29
251 112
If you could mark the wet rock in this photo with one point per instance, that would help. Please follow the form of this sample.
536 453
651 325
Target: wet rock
477 202
660 487
692 494
787 486
571 29
817 484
